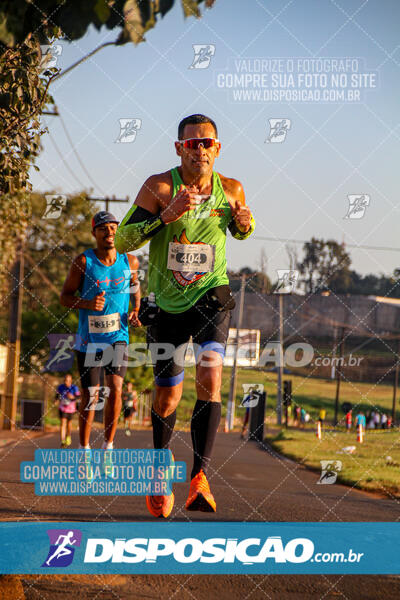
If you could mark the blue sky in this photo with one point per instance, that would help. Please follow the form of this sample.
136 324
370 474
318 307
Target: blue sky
298 188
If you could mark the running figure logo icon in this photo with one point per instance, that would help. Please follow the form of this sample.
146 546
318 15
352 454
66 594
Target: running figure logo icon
287 281
251 394
50 56
62 547
54 206
207 203
357 206
202 56
278 130
129 287
128 130
97 397
329 471
61 352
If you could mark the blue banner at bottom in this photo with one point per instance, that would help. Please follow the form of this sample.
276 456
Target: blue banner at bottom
196 548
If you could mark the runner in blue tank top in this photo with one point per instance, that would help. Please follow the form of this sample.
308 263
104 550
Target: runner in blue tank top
106 281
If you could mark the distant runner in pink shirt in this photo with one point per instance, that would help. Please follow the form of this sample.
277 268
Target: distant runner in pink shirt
67 393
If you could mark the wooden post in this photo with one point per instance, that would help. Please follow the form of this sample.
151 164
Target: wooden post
395 384
46 385
280 365
230 414
14 343
339 376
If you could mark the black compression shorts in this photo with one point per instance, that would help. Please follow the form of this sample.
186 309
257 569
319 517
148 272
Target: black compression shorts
208 327
90 375
128 411
65 415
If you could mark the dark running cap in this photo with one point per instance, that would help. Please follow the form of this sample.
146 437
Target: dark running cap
103 217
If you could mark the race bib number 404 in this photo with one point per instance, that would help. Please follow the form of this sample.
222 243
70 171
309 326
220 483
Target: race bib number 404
104 323
191 257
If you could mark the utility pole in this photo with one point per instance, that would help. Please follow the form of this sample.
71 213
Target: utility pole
107 200
230 415
339 375
280 364
333 368
14 342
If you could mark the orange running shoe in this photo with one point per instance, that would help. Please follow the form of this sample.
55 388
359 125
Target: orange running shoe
200 496
161 506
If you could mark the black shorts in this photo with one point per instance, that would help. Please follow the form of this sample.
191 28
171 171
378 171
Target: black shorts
65 415
208 327
90 375
128 411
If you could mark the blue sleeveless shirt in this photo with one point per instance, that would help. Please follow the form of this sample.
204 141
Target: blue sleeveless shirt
109 325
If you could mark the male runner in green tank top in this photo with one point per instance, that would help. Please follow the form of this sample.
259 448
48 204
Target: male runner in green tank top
185 213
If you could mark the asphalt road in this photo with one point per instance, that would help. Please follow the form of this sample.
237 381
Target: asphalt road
249 484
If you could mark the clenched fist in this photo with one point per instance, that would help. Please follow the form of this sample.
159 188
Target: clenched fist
133 318
185 199
242 216
97 303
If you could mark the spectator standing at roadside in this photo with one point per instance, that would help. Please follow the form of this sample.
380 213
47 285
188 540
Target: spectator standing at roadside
360 419
349 421
296 415
371 424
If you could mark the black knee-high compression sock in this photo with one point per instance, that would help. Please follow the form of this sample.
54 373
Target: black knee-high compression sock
204 426
163 428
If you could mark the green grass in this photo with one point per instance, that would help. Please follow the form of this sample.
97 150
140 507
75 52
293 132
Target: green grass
366 469
189 395
313 394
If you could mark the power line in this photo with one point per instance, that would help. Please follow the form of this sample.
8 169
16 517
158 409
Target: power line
48 182
77 155
276 239
64 161
81 60
107 200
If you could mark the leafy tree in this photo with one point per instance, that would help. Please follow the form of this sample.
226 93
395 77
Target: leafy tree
52 18
51 245
142 375
259 282
256 281
375 285
325 265
22 97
